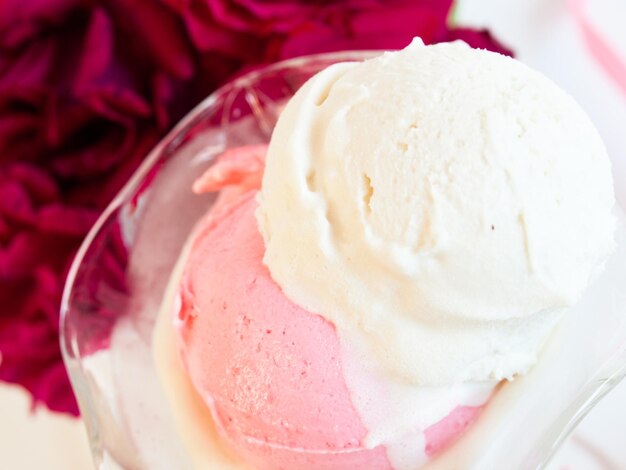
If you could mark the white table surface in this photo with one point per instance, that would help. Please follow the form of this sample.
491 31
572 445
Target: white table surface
39 440
544 36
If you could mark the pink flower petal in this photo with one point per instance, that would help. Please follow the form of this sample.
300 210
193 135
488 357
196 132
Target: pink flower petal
274 10
18 259
164 91
115 102
16 126
158 33
402 23
20 19
97 51
31 69
61 120
63 220
5 230
39 184
230 14
209 35
15 202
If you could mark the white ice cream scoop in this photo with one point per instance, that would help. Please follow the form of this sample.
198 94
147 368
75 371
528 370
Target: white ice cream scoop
441 205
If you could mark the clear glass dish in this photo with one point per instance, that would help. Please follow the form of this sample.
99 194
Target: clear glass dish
117 282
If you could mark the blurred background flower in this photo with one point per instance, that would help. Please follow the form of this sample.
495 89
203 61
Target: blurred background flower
87 87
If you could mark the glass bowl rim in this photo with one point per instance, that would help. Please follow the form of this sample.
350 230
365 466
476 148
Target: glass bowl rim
69 347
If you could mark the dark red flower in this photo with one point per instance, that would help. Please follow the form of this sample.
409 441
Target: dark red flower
340 27
87 87
255 31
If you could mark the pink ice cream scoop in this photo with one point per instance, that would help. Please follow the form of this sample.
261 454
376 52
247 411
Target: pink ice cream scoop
269 371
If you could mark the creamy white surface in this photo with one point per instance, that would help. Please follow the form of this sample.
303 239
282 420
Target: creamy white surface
440 205
396 414
523 420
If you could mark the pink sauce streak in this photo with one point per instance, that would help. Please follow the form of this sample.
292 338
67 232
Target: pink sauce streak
608 59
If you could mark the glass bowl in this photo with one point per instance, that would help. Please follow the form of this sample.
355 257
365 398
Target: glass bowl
117 282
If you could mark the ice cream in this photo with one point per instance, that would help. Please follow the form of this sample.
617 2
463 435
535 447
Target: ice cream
276 387
424 220
441 204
